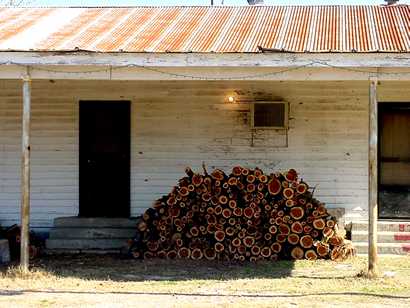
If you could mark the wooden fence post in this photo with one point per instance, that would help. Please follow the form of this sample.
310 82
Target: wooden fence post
25 175
373 174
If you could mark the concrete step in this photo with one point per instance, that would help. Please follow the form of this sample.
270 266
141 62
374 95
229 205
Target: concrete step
84 244
384 248
92 233
4 251
382 236
83 251
95 222
385 225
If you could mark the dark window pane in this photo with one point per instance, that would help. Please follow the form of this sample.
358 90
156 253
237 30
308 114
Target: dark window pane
269 115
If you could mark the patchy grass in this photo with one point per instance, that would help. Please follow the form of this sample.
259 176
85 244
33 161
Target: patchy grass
114 282
16 272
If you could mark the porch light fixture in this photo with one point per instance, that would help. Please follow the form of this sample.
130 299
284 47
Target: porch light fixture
231 99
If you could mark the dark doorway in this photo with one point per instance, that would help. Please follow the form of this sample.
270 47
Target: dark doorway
104 159
394 160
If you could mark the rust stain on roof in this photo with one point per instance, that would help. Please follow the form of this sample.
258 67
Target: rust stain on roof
126 30
208 29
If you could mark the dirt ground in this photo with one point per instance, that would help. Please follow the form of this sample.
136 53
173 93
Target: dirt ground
110 281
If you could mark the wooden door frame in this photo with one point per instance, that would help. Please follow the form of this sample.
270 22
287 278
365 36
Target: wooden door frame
380 107
102 101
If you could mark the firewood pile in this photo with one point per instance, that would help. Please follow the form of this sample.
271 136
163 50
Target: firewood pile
246 215
12 234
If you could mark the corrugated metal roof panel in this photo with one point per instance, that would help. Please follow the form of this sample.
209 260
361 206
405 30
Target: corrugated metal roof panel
208 29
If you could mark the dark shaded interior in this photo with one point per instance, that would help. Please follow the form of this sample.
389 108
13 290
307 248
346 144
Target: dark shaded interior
394 160
269 115
104 159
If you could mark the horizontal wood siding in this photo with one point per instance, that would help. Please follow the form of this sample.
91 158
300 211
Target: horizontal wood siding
54 171
180 123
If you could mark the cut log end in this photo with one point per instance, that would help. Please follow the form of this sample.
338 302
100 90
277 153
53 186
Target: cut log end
288 193
210 254
297 212
293 239
219 235
196 254
297 227
274 187
310 255
319 224
306 241
219 247
291 175
297 253
249 241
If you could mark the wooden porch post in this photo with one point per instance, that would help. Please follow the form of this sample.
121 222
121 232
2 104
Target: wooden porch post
373 174
25 175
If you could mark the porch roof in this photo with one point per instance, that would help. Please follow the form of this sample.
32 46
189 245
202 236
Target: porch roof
207 29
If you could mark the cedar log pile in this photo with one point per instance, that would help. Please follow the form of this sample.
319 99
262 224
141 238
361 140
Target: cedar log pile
247 215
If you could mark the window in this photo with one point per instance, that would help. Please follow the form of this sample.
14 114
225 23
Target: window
269 115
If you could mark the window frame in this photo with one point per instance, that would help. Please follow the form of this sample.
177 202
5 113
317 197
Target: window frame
286 115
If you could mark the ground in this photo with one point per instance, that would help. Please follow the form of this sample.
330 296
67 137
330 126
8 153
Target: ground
110 281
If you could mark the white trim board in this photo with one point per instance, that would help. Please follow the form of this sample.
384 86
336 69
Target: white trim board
382 60
171 66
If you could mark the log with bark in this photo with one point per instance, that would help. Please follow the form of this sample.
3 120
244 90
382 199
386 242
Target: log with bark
246 215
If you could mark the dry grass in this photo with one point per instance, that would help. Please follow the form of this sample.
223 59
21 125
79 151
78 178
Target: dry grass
89 281
16 272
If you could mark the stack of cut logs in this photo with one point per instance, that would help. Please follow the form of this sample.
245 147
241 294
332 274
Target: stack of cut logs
247 215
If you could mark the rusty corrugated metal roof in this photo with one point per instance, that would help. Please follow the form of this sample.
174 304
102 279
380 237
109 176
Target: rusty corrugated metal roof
208 29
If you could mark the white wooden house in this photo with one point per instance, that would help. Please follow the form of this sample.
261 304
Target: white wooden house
122 99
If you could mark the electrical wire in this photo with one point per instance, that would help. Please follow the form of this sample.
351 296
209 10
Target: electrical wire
109 69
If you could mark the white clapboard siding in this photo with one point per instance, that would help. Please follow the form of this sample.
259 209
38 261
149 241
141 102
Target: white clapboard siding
54 171
184 123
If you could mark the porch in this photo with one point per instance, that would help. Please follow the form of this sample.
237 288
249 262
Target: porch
176 122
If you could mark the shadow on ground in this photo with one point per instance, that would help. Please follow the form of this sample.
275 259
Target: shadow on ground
194 294
115 268
99 269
